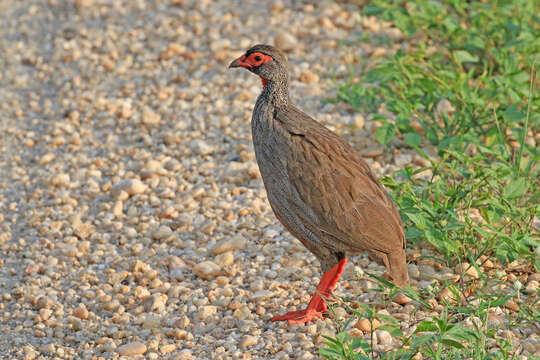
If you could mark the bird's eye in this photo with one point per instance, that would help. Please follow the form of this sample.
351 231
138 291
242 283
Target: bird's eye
258 58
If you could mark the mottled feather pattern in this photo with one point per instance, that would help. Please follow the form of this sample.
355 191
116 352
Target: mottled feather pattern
319 187
324 193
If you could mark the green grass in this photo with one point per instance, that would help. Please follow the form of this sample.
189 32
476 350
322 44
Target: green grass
478 59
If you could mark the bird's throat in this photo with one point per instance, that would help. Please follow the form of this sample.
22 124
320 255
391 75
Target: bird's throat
264 82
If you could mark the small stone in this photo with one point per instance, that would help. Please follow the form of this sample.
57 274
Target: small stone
83 4
285 41
225 259
47 158
152 166
529 346
236 243
261 295
60 180
141 292
206 270
122 195
207 227
468 270
447 295
308 77
401 299
417 126
184 355
151 322
149 117
420 161
444 107
372 151
81 312
71 251
306 355
48 348
326 23
532 287
45 314
182 322
359 121
242 313
426 272
134 348
76 324
511 304
413 271
206 311
248 341
402 160
383 337
118 208
166 349
340 313
200 147
45 302
162 232
219 45
130 186
379 51
365 325
156 302
30 354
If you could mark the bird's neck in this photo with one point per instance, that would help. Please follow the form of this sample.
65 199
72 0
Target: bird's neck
276 92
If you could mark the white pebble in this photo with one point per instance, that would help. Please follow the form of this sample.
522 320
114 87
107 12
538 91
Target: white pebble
130 186
134 348
236 243
206 269
206 311
200 147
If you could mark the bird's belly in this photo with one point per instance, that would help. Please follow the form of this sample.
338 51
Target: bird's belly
282 196
272 145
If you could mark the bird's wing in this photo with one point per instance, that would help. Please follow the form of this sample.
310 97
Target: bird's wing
349 208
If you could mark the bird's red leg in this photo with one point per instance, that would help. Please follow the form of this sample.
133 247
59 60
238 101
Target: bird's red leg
316 305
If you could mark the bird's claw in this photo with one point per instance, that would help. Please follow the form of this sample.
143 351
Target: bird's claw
299 316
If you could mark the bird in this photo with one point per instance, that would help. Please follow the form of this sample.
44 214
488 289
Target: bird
318 185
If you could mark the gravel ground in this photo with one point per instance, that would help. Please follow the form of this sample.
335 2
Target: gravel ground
133 221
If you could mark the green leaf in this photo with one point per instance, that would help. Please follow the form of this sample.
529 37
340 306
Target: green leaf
515 189
385 133
330 353
381 74
372 10
418 219
359 343
464 56
521 77
413 139
452 343
426 326
414 233
461 333
512 114
418 341
394 330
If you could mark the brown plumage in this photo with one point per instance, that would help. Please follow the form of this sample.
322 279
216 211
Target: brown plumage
319 187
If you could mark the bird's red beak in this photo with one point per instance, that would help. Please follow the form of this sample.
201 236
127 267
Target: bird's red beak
241 62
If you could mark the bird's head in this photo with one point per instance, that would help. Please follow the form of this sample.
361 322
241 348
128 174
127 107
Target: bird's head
266 61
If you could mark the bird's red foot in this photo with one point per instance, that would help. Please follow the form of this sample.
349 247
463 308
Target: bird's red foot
316 306
299 316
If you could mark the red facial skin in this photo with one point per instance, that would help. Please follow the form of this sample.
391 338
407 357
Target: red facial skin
251 61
